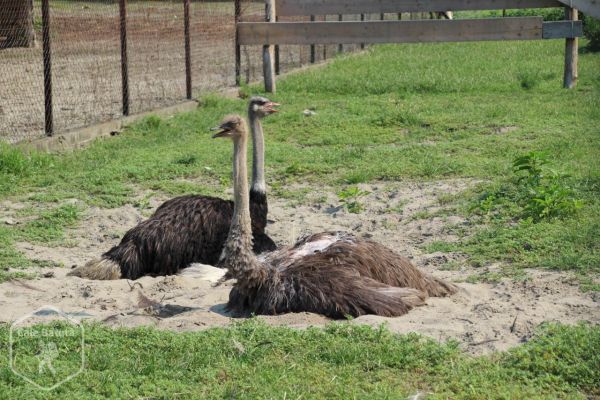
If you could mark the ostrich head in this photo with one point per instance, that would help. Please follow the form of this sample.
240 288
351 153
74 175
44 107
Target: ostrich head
232 126
261 106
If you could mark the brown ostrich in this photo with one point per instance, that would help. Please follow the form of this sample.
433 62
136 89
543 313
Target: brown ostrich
188 229
334 274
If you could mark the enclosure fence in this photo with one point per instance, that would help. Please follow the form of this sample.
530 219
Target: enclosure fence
67 64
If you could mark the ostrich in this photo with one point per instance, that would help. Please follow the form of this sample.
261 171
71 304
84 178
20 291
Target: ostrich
188 229
334 274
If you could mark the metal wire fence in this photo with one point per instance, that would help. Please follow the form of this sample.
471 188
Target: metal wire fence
66 64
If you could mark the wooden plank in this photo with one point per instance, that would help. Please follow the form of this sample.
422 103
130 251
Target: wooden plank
260 33
309 7
590 7
562 29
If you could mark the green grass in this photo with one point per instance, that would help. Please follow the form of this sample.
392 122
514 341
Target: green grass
47 228
398 112
253 360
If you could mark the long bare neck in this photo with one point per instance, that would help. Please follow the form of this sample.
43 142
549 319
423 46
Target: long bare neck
258 153
241 226
237 254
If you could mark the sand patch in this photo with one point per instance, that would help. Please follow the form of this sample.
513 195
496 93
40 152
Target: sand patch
483 317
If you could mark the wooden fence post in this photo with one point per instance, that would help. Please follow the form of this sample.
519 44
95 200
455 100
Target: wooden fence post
47 52
571 55
124 58
269 51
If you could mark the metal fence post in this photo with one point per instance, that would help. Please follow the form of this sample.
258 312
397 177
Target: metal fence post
124 61
47 55
362 18
238 54
312 46
188 61
324 46
277 54
340 46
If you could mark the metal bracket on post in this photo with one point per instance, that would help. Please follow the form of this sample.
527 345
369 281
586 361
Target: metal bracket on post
269 51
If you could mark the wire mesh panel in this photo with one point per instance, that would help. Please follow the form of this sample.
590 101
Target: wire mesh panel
64 68
156 54
86 83
212 34
252 55
21 71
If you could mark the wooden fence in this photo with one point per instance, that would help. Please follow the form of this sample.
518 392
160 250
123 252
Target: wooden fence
271 33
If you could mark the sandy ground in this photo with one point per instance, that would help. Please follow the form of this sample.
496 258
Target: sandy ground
483 317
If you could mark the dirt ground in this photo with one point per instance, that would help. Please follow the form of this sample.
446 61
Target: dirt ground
482 317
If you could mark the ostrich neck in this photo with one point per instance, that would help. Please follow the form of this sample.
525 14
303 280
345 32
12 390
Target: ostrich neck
240 224
237 255
258 154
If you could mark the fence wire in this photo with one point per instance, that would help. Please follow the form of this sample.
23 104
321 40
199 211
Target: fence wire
85 43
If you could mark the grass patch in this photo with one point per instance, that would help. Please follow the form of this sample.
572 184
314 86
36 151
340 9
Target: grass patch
253 360
535 220
48 228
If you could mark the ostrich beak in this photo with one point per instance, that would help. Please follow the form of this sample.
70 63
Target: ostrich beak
224 131
269 106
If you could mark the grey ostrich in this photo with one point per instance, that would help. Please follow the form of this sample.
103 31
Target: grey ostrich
188 229
334 274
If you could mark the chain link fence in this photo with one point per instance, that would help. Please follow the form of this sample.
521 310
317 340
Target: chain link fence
65 58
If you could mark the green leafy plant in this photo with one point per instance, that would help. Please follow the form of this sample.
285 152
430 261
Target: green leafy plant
536 193
544 193
533 164
552 200
487 203
349 198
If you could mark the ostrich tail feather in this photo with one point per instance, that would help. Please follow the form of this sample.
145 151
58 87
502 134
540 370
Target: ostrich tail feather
101 269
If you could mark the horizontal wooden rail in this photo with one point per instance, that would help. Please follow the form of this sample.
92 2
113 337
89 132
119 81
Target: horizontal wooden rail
324 7
520 28
590 7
